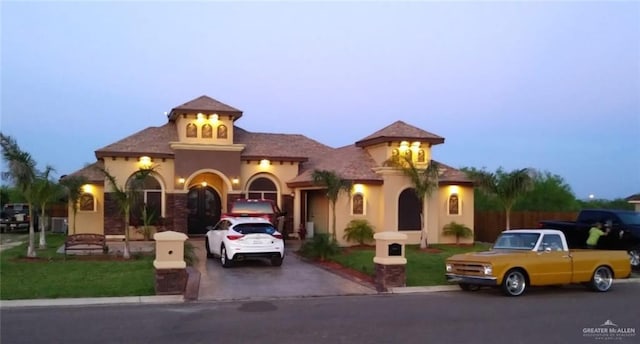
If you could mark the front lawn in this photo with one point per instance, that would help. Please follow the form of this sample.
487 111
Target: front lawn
50 276
424 268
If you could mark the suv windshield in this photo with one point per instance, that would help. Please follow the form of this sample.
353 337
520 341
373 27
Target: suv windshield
254 228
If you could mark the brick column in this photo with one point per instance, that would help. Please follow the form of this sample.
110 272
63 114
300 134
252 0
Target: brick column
113 221
180 213
390 276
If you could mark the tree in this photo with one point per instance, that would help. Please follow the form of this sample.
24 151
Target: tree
334 185
44 190
73 187
424 182
126 197
22 171
549 193
457 229
507 187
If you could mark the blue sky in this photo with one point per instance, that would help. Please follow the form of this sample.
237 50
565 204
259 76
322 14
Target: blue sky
549 85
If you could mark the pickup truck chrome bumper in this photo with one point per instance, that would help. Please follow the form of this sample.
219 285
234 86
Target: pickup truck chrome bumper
490 281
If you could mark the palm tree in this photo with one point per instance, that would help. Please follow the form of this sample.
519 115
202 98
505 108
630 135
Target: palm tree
334 185
507 187
73 187
424 182
22 171
126 197
44 190
457 229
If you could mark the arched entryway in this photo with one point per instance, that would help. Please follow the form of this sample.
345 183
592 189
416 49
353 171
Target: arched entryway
204 206
408 211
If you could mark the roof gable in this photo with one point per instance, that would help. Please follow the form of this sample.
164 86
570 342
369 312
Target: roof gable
204 104
400 131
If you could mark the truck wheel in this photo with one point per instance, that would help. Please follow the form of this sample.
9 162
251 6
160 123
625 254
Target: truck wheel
602 279
514 283
468 286
634 257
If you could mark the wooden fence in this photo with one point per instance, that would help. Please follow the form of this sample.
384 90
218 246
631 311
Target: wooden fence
488 224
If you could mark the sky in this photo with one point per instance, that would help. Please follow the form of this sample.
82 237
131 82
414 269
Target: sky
549 85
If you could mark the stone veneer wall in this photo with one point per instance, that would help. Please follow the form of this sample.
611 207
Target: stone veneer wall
180 212
113 223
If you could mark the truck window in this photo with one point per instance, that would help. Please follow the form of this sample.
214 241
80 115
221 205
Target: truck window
552 242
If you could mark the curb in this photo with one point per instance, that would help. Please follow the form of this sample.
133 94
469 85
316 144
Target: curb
152 299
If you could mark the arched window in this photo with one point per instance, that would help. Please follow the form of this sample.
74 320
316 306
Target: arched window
192 130
454 205
87 202
263 188
148 195
409 211
207 131
421 156
222 131
357 204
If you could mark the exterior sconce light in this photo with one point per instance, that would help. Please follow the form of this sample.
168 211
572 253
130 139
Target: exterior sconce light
358 188
204 184
454 190
86 188
235 181
213 118
200 117
404 145
181 180
264 163
145 162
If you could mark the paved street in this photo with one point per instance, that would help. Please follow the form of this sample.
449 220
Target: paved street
548 315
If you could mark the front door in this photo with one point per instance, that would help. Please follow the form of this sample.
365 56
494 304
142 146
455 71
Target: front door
204 209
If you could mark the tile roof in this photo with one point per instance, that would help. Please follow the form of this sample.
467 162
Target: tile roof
450 175
152 141
400 131
633 198
278 146
91 172
204 104
349 162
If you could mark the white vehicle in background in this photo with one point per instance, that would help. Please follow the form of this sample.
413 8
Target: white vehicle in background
238 238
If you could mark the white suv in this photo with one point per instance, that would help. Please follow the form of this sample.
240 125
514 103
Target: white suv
238 238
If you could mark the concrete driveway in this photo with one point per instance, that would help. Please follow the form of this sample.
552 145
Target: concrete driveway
259 280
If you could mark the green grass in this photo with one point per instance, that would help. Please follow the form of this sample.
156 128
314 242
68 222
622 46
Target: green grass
423 268
50 276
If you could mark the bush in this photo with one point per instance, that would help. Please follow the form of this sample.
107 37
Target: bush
457 229
359 231
321 247
190 255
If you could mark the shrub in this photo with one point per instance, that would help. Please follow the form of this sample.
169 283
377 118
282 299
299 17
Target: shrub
457 229
320 247
190 255
359 231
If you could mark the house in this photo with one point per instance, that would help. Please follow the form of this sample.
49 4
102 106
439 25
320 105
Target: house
203 161
635 200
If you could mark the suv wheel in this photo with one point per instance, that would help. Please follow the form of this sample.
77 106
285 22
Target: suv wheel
224 260
207 248
276 260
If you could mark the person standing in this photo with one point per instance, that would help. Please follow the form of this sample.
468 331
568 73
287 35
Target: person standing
594 235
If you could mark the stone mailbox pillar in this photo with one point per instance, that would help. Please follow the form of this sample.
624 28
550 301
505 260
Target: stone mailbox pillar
171 273
390 263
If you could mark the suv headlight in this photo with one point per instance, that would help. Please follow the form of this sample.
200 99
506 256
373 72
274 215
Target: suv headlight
488 270
448 267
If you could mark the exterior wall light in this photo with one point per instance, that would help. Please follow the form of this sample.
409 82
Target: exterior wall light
454 189
145 162
200 118
181 180
86 188
264 163
204 184
235 181
358 188
213 118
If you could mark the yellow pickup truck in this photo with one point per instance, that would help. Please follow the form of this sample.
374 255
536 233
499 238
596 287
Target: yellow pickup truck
536 257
